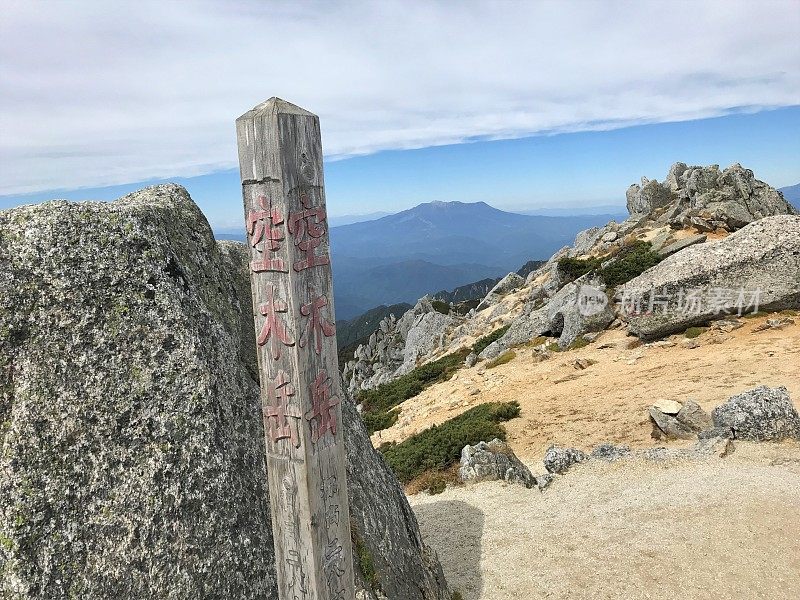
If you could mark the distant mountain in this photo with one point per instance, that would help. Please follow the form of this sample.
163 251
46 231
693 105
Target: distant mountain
439 246
792 194
450 233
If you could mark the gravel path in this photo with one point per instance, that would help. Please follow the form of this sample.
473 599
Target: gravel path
717 528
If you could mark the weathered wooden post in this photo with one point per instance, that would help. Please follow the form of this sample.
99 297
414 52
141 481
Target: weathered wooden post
280 159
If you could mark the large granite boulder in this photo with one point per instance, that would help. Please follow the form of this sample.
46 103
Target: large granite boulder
757 265
760 414
132 461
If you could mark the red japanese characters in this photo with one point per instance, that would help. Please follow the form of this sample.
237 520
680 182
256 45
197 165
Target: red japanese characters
317 327
308 227
322 415
273 326
262 228
277 412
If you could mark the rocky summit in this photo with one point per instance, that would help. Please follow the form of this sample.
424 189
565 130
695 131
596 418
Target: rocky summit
707 197
132 460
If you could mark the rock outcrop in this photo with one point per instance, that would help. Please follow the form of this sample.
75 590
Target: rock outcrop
758 265
761 414
492 461
707 198
132 461
399 345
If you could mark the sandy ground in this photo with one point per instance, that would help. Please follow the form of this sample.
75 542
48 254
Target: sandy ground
608 401
717 528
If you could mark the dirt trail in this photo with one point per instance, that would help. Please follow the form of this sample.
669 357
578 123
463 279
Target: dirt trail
718 528
607 402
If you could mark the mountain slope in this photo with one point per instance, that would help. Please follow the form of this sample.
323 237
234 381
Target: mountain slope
792 194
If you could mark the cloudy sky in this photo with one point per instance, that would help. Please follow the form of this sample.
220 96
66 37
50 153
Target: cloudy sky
96 94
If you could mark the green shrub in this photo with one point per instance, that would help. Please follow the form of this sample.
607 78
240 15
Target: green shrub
554 347
484 342
456 596
573 268
631 261
693 332
441 307
379 404
440 446
504 358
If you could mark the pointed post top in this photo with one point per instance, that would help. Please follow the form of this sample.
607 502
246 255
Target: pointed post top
275 106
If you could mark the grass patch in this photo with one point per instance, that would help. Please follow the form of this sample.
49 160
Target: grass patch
456 596
484 342
554 347
379 404
438 448
505 357
790 313
694 332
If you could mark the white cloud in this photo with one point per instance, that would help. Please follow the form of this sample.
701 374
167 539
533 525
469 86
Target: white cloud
99 93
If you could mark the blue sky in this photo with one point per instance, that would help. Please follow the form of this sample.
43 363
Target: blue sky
569 170
572 100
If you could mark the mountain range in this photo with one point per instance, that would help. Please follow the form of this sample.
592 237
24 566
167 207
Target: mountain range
438 246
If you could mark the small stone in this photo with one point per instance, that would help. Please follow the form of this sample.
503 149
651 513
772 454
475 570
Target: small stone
610 452
558 460
583 363
544 481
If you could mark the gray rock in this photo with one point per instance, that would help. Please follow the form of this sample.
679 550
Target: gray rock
577 308
492 461
610 452
760 261
471 360
543 481
681 244
760 414
649 196
609 236
133 457
491 351
506 285
668 427
694 417
558 460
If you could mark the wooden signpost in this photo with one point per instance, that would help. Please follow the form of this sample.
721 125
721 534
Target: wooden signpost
280 159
